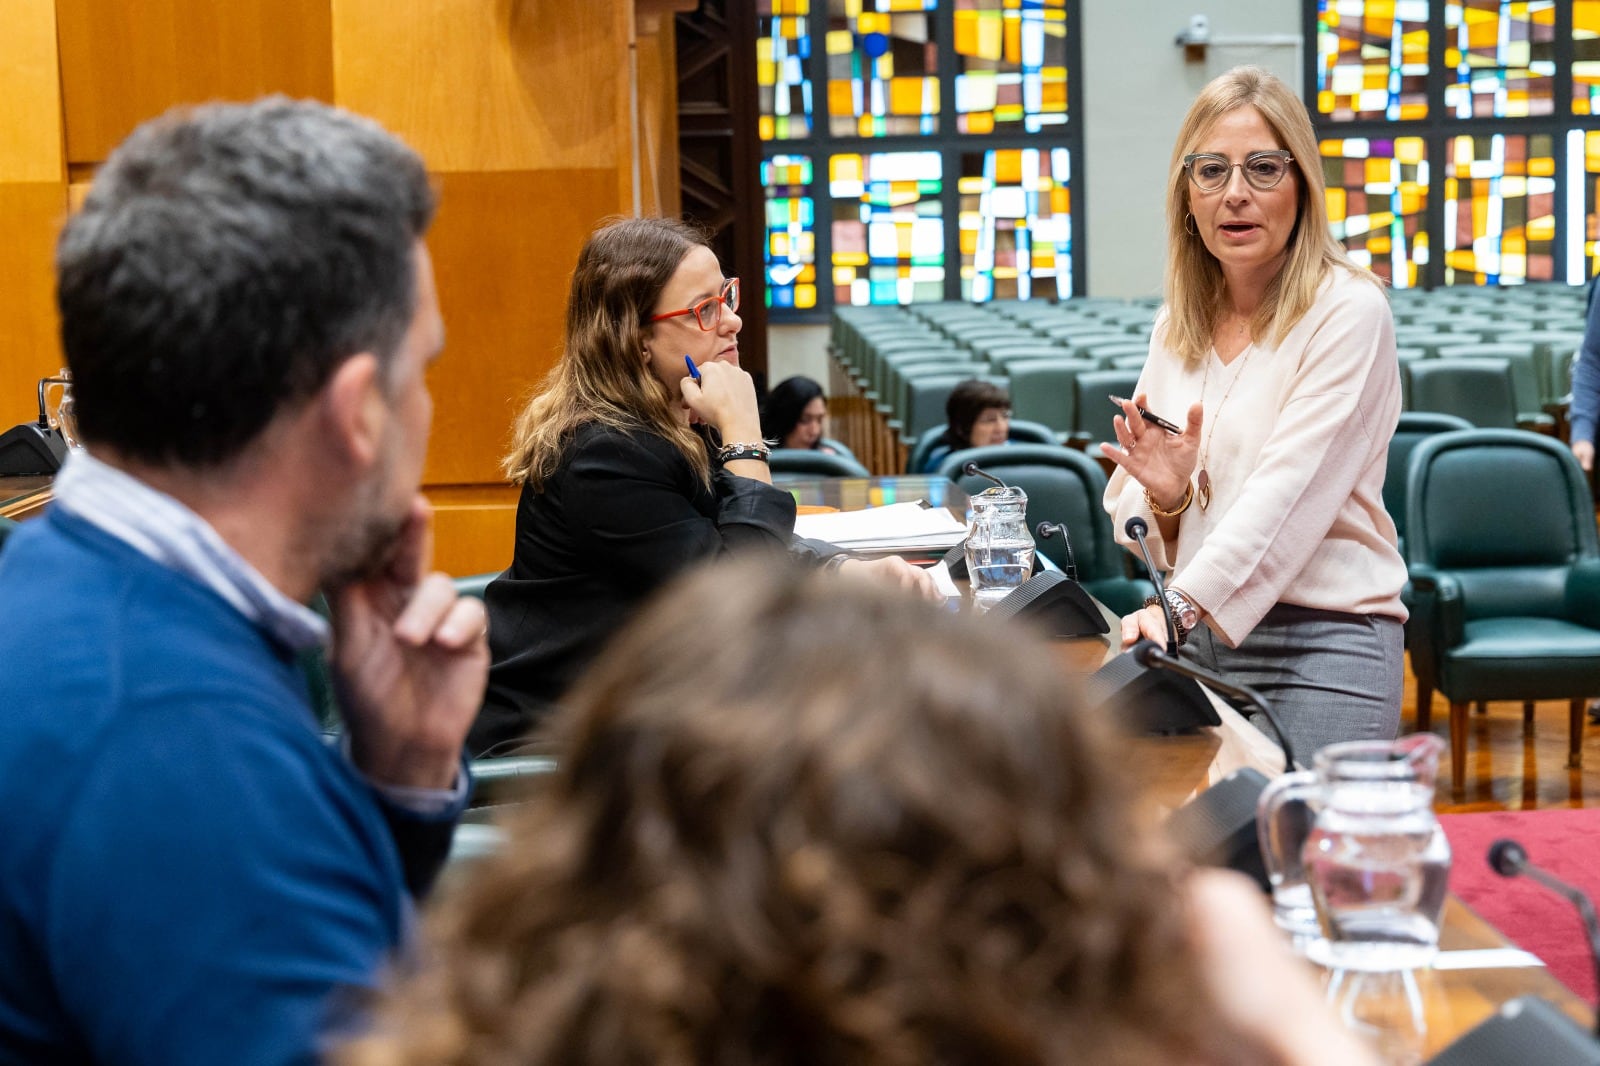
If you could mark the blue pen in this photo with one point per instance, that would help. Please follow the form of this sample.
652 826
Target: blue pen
694 371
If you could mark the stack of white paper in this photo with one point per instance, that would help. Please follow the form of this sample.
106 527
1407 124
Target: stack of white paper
896 528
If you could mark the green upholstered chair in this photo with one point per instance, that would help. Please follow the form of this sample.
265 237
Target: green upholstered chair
1505 573
1063 486
1093 412
793 464
838 447
1413 428
1042 391
1527 376
1479 390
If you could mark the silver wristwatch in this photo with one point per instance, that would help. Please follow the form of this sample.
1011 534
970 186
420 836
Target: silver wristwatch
1185 615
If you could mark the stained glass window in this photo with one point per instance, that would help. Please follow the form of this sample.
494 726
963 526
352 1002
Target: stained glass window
888 227
783 45
1377 199
1501 58
883 68
1016 224
1583 205
1586 57
791 255
917 151
1499 209
1011 70
1372 59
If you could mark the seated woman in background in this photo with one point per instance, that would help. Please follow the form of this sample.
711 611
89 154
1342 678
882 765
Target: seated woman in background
631 469
979 414
795 415
799 820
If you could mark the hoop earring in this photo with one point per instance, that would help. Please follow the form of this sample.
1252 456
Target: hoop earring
1188 226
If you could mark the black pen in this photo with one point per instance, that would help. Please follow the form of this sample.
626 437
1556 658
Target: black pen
1154 420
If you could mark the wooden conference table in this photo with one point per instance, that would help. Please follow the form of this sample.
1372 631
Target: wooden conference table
1477 969
21 497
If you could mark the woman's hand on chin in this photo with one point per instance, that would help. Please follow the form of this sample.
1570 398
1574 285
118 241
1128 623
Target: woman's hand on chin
724 398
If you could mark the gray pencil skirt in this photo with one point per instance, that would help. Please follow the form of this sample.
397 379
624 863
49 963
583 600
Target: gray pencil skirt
1329 675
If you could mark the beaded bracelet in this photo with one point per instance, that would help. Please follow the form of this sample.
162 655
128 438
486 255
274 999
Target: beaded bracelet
731 452
1155 508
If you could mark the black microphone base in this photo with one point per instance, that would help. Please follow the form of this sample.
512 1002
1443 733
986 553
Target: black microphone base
1218 827
1525 1030
27 450
1151 701
1054 604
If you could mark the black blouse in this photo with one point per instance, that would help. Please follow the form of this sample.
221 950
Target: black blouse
623 514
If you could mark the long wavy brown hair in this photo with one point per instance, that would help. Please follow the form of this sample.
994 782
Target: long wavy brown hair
803 821
603 375
1194 283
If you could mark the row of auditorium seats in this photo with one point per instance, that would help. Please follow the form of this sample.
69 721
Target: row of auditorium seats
1497 357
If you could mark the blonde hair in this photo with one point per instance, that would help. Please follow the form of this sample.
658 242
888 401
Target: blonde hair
603 374
850 828
1194 282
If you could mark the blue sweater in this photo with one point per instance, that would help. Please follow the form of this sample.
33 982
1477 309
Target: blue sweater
187 870
1585 408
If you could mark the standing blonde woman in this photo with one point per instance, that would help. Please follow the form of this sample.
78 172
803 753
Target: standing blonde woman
1277 355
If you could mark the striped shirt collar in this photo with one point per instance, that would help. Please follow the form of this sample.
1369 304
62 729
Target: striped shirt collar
158 526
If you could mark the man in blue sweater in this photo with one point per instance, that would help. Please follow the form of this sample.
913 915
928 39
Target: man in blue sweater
189 872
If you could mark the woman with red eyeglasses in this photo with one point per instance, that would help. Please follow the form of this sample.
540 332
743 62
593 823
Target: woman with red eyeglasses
640 455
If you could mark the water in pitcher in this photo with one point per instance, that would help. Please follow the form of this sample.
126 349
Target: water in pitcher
1378 867
997 568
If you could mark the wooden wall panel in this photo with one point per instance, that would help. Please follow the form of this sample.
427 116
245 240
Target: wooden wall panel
122 63
473 528
30 216
480 85
503 247
30 86
658 118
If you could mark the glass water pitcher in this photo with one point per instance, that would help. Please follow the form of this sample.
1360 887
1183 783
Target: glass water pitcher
1358 863
999 547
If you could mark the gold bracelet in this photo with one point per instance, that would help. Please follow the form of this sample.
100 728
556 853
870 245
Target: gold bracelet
1188 498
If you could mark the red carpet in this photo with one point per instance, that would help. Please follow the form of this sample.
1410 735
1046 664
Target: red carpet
1564 842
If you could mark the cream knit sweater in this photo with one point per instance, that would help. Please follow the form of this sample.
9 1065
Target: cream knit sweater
1296 459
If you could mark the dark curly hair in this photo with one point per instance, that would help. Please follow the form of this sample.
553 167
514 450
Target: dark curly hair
799 820
965 405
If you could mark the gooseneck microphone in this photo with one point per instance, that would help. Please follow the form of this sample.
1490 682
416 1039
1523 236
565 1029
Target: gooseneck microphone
1136 528
1148 653
973 470
1510 859
1047 530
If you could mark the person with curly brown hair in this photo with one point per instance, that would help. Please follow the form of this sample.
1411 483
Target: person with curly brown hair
799 819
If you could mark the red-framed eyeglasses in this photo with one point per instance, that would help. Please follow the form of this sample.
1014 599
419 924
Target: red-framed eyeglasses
708 312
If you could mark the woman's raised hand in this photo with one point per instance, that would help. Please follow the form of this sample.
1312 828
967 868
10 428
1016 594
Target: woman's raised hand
724 398
1162 462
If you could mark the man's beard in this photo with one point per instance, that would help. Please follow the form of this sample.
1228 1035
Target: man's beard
363 547
363 550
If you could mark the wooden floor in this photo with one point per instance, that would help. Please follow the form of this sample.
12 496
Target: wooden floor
1508 769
